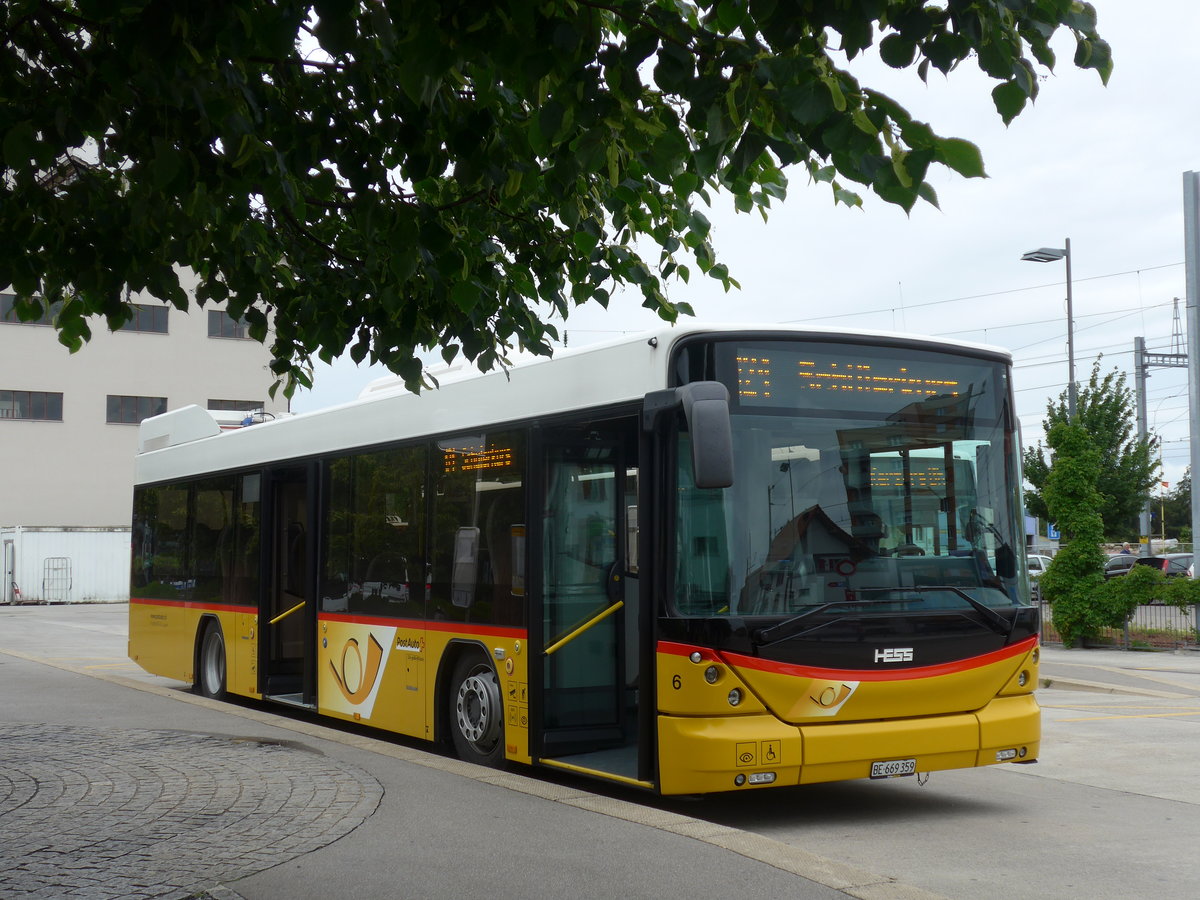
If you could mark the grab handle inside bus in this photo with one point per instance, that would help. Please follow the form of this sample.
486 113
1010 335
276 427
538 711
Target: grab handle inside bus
706 408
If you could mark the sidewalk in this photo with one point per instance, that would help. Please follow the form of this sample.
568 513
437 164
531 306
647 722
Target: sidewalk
1163 674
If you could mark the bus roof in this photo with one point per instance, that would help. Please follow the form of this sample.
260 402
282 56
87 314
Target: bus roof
188 441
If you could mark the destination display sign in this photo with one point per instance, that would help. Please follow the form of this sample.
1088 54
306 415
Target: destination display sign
852 378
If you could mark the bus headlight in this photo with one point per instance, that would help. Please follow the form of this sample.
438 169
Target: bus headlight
735 697
711 674
1023 678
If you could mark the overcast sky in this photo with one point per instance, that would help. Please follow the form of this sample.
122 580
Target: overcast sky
1101 166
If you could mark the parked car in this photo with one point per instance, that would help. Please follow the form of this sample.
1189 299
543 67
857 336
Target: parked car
1170 564
1121 564
1036 565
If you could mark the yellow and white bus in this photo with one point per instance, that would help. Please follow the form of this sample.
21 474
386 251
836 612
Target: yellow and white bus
703 559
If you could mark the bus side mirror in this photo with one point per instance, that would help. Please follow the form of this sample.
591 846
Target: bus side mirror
706 408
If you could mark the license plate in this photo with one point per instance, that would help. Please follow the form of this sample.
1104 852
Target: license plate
893 768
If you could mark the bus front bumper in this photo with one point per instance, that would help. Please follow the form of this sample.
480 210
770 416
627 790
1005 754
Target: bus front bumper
702 755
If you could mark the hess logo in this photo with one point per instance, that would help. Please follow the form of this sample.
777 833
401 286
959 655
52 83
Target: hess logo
894 655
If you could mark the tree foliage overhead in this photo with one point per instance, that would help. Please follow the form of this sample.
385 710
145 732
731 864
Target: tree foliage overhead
1127 466
390 175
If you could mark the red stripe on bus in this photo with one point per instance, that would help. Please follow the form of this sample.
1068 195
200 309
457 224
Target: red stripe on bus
800 671
455 627
191 604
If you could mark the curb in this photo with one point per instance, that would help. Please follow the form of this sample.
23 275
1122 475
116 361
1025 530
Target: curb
1099 687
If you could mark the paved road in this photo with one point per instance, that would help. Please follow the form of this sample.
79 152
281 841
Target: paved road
1111 810
132 812
120 784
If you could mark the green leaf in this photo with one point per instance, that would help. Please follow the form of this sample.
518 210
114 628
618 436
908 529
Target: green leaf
20 145
961 156
584 242
841 195
336 29
808 103
897 51
465 296
512 185
1009 99
164 168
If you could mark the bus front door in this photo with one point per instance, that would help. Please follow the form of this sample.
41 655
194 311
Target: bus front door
589 619
287 620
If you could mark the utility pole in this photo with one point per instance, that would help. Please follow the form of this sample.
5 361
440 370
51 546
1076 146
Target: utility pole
1191 255
1142 362
1191 247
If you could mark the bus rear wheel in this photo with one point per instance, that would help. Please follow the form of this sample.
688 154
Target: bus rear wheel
210 675
476 713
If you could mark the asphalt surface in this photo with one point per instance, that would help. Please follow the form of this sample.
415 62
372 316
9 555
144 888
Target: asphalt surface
124 812
120 784
115 783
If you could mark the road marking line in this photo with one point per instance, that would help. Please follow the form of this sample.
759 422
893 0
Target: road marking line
1143 716
1079 707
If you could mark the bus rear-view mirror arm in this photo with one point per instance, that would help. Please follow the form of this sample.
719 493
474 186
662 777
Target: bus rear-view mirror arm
706 408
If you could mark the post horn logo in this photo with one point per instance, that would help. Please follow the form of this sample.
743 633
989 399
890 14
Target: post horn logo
357 676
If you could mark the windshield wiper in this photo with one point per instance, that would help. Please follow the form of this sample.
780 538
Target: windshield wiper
761 637
794 626
994 620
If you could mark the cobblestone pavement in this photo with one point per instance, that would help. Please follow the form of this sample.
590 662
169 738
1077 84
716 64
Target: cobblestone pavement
93 813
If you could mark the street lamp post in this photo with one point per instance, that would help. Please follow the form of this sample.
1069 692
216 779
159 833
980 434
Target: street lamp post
1050 254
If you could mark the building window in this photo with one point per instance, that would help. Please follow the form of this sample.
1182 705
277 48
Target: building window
223 325
8 312
44 406
147 317
235 405
131 410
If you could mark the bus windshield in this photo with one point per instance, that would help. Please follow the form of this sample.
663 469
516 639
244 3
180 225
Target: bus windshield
862 474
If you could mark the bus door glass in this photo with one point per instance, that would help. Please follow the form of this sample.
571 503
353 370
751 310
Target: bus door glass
287 621
589 597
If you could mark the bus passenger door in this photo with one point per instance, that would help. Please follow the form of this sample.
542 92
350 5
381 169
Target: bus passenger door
287 621
589 619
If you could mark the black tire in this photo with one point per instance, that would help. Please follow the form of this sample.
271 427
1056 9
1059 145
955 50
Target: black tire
476 712
211 671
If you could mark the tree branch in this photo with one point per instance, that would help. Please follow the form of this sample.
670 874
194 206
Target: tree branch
329 248
317 64
645 23
47 18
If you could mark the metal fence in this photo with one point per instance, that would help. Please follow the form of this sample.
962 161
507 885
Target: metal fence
1152 627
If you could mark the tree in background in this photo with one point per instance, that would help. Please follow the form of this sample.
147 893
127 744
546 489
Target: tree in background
1126 466
394 175
1073 499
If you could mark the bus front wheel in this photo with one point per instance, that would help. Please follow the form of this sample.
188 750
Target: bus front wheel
210 677
476 713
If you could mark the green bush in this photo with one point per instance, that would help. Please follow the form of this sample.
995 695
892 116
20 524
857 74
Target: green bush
1119 597
1075 574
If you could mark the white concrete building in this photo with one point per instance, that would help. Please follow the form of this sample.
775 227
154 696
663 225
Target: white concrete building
68 430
